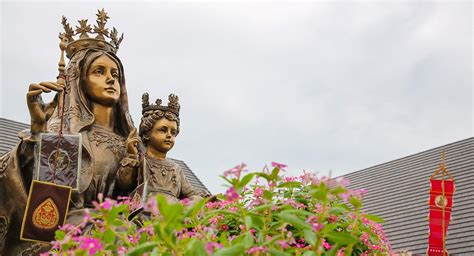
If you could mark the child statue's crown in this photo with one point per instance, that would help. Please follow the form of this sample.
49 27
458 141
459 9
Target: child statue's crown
173 104
86 42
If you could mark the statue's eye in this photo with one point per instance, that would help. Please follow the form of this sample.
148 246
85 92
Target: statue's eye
115 75
99 71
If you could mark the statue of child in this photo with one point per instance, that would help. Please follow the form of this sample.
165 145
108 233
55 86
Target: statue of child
159 127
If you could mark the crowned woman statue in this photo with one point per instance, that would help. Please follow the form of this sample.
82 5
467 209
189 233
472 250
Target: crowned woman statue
95 105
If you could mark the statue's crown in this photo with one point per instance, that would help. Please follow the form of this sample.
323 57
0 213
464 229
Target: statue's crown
173 104
84 31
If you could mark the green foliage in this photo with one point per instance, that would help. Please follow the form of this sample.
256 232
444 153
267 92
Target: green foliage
261 213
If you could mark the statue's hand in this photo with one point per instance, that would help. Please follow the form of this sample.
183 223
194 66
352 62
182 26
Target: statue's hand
39 111
132 142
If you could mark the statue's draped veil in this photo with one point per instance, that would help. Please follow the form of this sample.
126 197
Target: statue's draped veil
78 115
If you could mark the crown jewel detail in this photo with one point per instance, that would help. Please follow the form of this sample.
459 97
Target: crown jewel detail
173 104
84 30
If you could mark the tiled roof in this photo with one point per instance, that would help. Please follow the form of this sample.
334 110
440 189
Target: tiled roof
9 137
398 192
9 134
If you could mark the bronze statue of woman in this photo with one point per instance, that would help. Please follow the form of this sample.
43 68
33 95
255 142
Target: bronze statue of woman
96 106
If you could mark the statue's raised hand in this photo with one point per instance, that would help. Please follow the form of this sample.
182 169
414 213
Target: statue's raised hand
132 142
39 111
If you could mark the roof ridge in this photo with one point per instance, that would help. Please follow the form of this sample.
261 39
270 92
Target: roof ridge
411 155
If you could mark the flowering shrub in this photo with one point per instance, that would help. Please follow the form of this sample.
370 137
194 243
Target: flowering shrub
262 213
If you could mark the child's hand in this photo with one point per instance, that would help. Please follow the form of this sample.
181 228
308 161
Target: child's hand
132 142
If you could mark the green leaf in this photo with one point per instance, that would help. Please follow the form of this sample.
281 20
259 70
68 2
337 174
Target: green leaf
59 234
109 236
237 249
261 208
356 202
248 241
338 190
267 195
336 210
248 222
155 252
275 172
112 215
309 253
374 218
268 242
264 175
226 179
257 221
319 194
297 212
245 180
328 228
141 249
117 223
196 208
342 238
277 253
293 220
290 184
310 236
195 247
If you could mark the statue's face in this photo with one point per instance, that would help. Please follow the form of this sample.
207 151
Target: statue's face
162 135
102 83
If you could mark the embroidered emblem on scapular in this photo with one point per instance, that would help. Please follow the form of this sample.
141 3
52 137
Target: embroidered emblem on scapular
46 215
59 161
46 210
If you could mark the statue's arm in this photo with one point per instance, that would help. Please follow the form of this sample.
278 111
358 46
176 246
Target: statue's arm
127 174
188 191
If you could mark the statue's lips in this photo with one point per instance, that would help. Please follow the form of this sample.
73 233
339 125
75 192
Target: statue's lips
110 89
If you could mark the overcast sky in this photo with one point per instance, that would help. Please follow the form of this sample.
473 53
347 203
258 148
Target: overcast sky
319 86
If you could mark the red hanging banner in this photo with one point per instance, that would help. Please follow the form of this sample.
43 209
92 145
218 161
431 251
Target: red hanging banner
440 205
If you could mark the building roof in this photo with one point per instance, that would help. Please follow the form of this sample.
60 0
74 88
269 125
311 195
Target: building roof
9 138
398 191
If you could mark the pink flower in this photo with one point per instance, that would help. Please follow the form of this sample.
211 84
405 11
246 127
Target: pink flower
185 201
278 165
326 245
224 227
258 192
257 249
343 181
121 250
107 204
236 171
283 244
134 239
92 245
152 206
211 246
317 227
231 194
71 229
332 218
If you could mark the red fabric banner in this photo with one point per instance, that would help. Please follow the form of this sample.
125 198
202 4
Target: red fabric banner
441 203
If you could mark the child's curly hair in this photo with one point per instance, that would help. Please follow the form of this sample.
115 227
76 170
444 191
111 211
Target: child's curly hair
150 118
